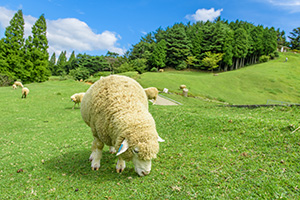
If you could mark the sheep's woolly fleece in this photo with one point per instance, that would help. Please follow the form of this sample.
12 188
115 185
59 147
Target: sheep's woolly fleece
77 97
116 107
152 93
25 92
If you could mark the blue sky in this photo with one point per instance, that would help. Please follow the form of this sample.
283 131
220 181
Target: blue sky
94 27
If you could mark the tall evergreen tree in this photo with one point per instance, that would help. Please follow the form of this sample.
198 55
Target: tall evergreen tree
240 46
295 38
13 45
39 49
52 64
158 56
270 40
178 46
61 63
70 64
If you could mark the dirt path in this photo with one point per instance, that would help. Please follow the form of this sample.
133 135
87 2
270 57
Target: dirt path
165 102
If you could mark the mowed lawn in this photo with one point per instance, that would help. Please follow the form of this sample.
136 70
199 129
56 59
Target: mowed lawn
210 151
275 80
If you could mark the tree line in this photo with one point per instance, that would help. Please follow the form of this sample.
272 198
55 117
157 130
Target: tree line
218 45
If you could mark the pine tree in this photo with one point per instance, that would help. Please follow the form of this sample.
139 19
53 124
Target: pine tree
295 38
61 64
240 46
39 53
13 45
158 56
178 46
52 64
70 64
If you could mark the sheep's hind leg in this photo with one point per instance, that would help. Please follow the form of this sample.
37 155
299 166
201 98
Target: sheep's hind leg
120 165
96 154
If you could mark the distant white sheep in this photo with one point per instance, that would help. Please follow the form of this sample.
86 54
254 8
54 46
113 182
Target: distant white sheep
182 86
14 86
151 93
18 83
76 98
25 92
161 70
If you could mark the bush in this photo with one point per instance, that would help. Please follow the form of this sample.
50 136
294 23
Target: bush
181 66
80 73
272 55
139 65
103 73
154 69
276 54
6 79
264 58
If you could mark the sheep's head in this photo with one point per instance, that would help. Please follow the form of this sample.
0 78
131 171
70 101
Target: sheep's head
140 154
73 98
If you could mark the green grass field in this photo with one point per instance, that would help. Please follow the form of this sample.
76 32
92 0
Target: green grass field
211 151
274 80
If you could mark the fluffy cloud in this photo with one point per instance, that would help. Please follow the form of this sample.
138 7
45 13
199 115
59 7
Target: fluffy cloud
68 34
204 15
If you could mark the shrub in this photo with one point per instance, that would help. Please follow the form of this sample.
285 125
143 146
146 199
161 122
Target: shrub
181 66
6 79
154 69
264 58
80 73
276 54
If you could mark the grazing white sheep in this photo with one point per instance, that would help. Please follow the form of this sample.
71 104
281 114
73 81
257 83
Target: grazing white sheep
116 109
25 92
161 70
18 83
152 93
182 86
76 98
14 86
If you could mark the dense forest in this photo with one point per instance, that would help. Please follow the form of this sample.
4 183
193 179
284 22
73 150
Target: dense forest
219 45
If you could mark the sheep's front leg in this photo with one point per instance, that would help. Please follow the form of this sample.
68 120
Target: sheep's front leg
120 165
96 154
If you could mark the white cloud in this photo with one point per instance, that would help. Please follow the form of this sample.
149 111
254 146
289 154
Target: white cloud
68 34
204 15
292 5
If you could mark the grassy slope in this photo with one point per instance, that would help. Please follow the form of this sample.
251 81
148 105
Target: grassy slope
275 80
210 151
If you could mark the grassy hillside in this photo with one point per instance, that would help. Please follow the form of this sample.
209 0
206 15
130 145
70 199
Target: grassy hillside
275 80
210 151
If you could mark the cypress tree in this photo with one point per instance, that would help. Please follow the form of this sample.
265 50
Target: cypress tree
12 46
178 46
158 56
39 53
52 64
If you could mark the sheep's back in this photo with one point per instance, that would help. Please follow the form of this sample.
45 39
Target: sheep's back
112 94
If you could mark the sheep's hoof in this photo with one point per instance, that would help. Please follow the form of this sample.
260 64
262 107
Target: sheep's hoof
95 168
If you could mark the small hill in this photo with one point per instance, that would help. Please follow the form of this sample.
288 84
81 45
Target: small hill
275 80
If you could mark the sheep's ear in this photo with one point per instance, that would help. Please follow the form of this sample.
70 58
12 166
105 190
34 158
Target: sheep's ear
124 146
160 140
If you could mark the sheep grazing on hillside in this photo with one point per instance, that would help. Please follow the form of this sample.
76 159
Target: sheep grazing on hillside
25 92
116 109
182 86
14 86
161 70
76 98
18 83
152 94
